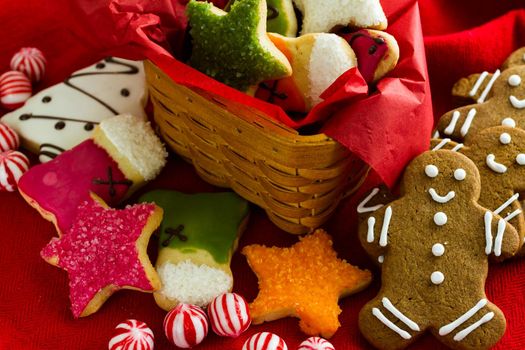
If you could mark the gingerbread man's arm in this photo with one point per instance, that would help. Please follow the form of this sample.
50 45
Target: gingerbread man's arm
374 230
456 124
501 239
446 143
475 87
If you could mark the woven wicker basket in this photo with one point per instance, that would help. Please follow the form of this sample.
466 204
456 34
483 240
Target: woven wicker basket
298 180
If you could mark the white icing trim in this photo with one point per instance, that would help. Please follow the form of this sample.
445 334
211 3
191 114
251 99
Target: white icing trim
361 207
499 237
402 333
466 125
390 307
441 144
485 92
436 135
441 199
478 83
495 166
461 335
457 147
513 215
370 233
452 125
507 203
516 103
488 232
381 259
383 239
447 329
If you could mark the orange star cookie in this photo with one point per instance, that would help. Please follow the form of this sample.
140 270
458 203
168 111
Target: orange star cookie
305 281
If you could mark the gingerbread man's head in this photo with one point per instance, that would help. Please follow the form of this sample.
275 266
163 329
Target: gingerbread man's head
442 176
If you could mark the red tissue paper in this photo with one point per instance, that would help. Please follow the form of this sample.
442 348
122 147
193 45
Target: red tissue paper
460 37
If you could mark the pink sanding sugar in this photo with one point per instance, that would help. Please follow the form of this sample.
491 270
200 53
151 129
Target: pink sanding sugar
100 250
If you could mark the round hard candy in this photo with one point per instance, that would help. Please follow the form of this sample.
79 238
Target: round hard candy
316 343
265 341
229 315
8 138
15 89
186 326
13 165
132 335
31 62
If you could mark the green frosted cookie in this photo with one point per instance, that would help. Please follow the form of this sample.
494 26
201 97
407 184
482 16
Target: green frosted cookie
233 47
198 236
280 18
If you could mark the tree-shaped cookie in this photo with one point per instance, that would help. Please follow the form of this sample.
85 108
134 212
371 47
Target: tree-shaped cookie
436 240
505 107
63 115
499 154
233 47
198 236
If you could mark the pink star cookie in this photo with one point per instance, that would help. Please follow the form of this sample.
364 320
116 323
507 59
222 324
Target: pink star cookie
104 251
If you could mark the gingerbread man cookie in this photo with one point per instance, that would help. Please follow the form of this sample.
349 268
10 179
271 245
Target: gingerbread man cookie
62 116
506 106
436 241
478 86
499 154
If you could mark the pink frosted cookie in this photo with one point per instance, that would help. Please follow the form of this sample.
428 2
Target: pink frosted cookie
123 154
104 251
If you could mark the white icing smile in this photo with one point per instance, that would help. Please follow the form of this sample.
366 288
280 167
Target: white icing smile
495 166
441 199
516 103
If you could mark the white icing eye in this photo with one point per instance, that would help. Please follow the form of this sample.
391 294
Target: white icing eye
505 138
514 80
508 122
460 174
431 170
520 159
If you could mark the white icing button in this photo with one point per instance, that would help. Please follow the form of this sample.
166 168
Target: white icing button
381 258
440 218
508 122
460 174
520 159
437 277
438 249
431 170
514 80
505 138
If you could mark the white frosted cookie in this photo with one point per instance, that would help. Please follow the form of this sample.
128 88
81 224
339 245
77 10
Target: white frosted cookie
323 16
61 116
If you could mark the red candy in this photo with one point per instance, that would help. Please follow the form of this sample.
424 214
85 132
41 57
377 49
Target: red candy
31 62
186 326
13 165
132 335
316 343
15 89
265 341
229 315
9 140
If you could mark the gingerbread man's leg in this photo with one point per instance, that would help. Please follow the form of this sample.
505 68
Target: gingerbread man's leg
387 327
477 328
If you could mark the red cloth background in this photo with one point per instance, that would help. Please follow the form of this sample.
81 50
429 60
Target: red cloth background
461 37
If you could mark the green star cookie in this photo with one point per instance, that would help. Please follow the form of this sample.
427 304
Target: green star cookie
233 47
198 236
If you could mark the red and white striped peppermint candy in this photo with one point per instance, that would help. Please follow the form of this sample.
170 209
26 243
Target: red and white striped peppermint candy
31 62
229 315
265 341
15 89
316 343
186 325
13 165
8 138
132 335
